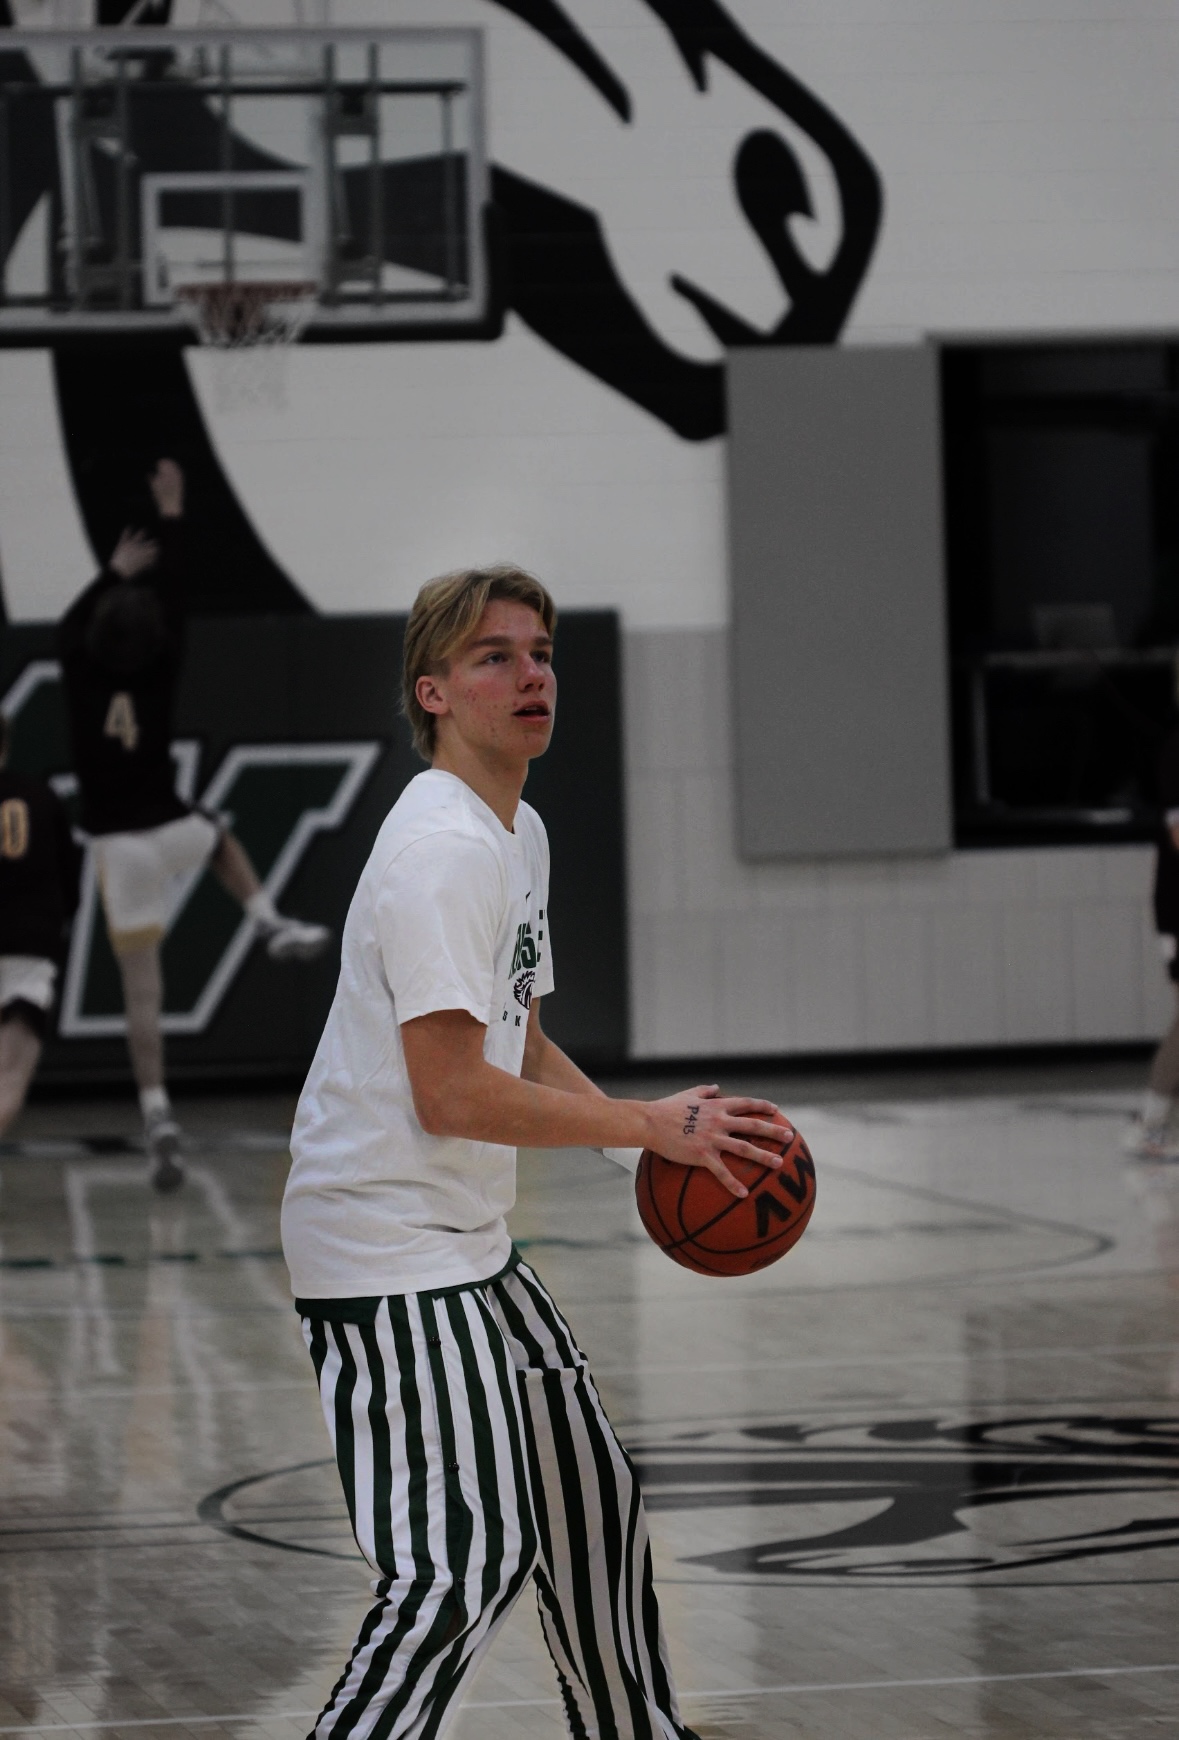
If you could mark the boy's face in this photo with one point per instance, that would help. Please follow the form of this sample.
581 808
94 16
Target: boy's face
499 692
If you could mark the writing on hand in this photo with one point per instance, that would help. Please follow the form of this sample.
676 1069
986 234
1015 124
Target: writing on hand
690 1121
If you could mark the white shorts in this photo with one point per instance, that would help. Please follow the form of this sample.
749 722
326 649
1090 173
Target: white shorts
26 979
138 875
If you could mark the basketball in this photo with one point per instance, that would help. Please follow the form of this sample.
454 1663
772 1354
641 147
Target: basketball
701 1225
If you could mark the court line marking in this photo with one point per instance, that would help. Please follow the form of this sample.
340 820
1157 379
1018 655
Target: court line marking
1103 1243
99 1392
545 1703
851 1362
871 1685
1048 1275
853 1411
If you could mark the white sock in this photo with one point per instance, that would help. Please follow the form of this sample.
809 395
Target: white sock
263 911
154 1103
1156 1109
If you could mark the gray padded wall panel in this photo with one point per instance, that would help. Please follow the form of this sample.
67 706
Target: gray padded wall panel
839 642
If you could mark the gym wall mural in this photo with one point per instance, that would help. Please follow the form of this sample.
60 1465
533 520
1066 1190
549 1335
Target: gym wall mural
550 262
309 781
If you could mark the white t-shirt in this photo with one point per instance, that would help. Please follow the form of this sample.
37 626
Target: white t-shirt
451 912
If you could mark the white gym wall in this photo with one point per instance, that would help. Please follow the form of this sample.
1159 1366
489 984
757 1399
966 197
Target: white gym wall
1030 160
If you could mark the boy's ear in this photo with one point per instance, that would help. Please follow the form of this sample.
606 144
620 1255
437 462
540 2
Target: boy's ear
430 695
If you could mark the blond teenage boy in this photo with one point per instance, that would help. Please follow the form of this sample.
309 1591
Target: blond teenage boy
472 1446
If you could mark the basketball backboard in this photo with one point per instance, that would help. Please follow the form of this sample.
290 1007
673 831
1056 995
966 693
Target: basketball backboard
134 163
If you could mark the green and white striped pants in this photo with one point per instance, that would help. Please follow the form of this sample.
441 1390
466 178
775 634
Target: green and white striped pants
474 1454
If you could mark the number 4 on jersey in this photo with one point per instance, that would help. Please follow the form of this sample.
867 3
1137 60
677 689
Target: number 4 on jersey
121 721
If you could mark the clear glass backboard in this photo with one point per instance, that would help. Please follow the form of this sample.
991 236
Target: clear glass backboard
137 166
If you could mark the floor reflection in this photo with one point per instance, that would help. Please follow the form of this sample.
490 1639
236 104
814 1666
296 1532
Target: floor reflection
921 1477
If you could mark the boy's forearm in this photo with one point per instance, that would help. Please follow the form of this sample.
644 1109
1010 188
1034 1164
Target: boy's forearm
493 1106
546 1064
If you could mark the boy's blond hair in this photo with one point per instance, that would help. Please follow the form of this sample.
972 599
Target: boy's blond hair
446 612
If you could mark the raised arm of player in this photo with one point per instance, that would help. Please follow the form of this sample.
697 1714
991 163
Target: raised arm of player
134 553
167 486
456 1092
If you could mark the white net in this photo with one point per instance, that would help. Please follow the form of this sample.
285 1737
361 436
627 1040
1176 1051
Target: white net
248 329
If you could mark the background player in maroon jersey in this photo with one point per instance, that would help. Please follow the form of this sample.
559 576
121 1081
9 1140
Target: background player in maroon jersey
39 874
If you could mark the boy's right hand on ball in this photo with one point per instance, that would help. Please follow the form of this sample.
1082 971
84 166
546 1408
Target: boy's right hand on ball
701 1127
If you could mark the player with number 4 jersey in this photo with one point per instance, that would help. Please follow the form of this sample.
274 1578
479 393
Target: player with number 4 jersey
121 643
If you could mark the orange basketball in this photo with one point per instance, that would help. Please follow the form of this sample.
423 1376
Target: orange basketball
697 1222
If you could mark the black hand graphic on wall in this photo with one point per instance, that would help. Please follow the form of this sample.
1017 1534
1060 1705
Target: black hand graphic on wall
564 285
560 279
557 28
771 186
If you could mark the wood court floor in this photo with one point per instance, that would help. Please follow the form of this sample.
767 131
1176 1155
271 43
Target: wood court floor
919 1480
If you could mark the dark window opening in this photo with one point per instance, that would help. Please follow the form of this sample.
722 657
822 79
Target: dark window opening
1062 532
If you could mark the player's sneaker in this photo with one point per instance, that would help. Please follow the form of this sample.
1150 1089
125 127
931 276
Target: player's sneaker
162 1137
292 940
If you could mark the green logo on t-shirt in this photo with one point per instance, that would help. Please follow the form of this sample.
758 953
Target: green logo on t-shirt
525 950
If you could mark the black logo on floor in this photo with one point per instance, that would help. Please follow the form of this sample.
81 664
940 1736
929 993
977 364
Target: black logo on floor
1044 1499
1047 1499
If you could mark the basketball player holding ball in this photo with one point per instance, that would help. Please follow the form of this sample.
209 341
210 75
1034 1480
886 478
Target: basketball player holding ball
470 1440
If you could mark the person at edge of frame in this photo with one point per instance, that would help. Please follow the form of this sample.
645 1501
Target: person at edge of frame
1151 1135
470 1440
121 645
40 874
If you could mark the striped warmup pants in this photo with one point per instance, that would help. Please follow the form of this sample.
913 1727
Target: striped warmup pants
474 1454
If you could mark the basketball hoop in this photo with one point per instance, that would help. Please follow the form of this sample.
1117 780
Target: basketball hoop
237 316
251 326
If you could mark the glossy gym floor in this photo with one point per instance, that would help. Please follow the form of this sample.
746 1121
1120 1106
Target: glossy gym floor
920 1479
